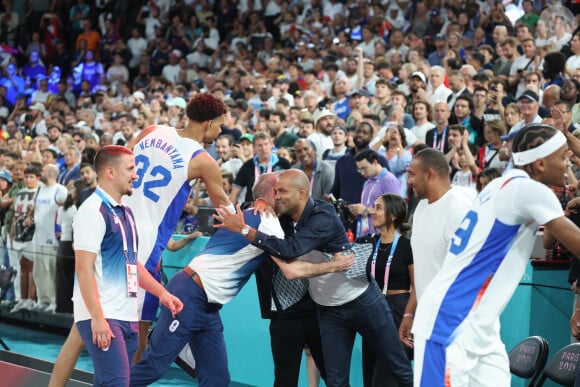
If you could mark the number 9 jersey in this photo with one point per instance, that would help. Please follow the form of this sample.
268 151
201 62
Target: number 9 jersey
161 190
486 260
456 326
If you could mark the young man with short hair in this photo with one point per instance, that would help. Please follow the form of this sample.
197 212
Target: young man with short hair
108 272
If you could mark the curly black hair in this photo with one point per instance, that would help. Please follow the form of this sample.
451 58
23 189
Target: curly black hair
205 107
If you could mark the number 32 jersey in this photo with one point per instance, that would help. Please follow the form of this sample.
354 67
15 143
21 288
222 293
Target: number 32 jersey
161 189
487 257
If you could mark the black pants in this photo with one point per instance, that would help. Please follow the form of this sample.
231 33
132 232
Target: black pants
65 277
382 376
288 338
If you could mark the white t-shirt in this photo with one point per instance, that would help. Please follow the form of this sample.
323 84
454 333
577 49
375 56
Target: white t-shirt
433 227
171 72
485 263
573 63
464 179
559 43
520 63
321 141
440 94
64 220
420 131
137 48
45 207
116 71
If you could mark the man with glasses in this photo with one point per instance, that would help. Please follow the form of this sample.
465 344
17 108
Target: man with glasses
479 102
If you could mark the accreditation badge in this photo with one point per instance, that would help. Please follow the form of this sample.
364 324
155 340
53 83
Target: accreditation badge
132 280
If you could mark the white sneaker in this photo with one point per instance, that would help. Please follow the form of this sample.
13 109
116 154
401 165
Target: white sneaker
30 303
51 308
19 306
39 307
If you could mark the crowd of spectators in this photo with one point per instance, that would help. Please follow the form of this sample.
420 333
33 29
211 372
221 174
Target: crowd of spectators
309 85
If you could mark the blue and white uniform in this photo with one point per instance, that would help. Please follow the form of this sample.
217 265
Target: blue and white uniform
97 230
456 325
159 195
224 266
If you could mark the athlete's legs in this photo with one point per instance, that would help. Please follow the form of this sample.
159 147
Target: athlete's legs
478 357
430 363
67 358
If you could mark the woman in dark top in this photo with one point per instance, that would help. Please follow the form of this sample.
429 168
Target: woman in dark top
391 262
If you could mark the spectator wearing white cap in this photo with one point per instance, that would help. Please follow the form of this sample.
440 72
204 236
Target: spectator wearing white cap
418 87
323 122
176 105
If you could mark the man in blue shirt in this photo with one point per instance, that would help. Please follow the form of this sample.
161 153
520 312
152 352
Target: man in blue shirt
345 306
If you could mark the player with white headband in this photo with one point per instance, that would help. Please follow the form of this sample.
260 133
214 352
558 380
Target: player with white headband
456 328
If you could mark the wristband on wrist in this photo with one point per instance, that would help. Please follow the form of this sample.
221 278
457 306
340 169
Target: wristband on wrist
409 315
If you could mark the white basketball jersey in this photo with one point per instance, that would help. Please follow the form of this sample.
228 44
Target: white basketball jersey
486 260
161 189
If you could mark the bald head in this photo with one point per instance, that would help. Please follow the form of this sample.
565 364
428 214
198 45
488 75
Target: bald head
264 188
296 179
292 193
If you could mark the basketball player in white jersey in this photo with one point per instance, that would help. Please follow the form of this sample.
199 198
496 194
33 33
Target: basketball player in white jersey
167 161
456 328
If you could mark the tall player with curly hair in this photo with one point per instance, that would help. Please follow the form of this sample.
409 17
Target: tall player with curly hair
168 162
456 328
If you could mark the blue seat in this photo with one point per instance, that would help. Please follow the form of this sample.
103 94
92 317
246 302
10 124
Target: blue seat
562 368
528 358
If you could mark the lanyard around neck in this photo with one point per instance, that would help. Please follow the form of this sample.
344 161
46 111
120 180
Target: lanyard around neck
257 167
389 261
369 195
118 221
442 143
